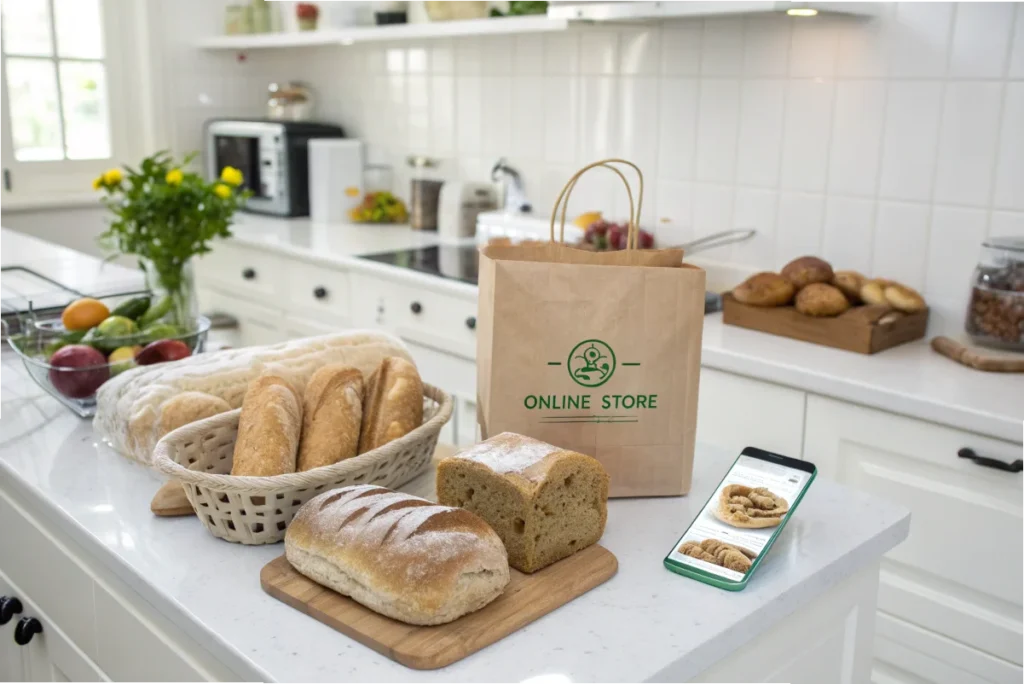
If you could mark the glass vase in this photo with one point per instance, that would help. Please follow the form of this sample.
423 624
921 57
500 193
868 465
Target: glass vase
179 286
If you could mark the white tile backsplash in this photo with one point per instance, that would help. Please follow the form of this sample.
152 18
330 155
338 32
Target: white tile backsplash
892 144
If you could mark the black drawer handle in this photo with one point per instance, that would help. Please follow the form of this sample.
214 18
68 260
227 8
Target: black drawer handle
320 292
416 307
249 273
26 628
471 322
969 453
9 607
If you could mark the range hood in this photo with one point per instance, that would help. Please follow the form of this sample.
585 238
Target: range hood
654 11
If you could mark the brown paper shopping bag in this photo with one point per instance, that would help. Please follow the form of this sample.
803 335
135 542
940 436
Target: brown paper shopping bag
598 352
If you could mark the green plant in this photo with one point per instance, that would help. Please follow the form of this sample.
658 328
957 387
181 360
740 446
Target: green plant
166 215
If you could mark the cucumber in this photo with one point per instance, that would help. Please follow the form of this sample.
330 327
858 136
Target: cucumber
70 337
132 308
156 312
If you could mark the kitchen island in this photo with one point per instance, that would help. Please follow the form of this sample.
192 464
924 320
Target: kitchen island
132 596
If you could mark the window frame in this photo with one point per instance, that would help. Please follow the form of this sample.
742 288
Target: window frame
35 183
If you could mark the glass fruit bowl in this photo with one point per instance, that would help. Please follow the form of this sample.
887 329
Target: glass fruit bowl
72 370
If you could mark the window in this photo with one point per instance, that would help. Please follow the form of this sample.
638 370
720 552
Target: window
70 107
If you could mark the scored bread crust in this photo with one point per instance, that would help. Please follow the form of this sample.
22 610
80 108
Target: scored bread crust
393 406
128 406
397 554
269 429
332 414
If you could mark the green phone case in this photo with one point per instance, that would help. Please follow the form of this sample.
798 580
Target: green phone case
721 582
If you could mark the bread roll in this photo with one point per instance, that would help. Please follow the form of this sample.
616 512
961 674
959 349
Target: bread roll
544 502
128 406
397 554
849 283
873 292
819 299
268 429
188 407
764 289
332 413
903 298
394 403
807 271
750 507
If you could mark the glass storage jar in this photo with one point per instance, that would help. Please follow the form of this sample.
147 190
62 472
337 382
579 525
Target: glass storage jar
995 314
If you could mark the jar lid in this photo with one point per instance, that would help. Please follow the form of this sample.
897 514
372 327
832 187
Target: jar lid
1007 243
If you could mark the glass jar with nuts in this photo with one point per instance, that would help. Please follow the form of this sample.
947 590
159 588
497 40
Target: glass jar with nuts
995 314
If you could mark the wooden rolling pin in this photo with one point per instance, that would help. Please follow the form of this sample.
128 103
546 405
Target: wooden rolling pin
961 353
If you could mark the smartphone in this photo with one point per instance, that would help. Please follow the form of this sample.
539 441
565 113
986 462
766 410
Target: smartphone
739 523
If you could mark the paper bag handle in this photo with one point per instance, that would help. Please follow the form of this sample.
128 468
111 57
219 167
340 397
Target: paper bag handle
632 235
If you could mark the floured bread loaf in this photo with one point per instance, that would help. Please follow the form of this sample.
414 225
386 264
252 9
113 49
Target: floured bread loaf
545 503
128 407
397 554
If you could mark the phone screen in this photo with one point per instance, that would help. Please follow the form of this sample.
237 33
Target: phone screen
740 521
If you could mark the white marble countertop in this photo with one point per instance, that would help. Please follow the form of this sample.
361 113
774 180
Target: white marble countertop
671 627
68 267
910 379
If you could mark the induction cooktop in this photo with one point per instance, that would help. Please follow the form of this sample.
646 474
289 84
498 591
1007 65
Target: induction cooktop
456 262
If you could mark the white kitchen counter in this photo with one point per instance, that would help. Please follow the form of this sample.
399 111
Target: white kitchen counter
645 623
911 379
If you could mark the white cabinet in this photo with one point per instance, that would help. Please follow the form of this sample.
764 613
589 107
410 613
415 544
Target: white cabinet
49 656
257 324
735 412
954 586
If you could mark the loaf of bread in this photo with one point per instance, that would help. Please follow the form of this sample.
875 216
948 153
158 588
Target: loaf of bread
849 283
394 403
397 554
806 271
332 413
269 428
545 503
188 407
819 299
764 289
128 406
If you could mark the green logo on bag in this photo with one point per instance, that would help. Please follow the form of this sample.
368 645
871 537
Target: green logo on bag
591 363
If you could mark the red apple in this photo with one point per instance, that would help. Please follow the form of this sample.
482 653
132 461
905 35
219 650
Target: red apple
78 370
161 351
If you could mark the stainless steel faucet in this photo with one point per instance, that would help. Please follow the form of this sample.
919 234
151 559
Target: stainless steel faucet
512 181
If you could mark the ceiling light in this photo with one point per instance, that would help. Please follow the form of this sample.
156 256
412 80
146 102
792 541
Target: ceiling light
802 12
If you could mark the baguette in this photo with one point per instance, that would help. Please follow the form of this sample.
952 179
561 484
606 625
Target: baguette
128 413
397 554
394 403
331 416
268 429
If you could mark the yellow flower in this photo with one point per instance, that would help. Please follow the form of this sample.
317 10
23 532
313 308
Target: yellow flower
97 182
174 177
112 177
231 176
222 191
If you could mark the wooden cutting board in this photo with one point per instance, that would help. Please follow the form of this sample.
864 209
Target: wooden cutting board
526 598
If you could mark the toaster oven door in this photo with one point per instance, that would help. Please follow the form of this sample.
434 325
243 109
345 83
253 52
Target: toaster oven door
257 149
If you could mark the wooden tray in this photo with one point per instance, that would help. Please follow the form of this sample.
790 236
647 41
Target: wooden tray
863 329
526 598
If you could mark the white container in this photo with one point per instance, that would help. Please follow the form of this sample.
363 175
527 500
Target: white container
335 178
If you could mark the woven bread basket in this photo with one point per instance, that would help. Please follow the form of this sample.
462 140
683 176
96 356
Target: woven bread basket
257 510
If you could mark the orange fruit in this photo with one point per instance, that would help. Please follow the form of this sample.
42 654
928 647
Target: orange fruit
83 314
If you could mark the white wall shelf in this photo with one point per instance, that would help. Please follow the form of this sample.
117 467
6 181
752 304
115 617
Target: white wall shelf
365 34
653 11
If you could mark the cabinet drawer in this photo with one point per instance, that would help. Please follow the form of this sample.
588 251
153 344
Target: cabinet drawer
43 568
317 289
257 325
734 412
429 318
959 572
248 272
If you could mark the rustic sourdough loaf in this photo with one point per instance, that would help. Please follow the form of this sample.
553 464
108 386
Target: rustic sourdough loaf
545 503
128 407
397 554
